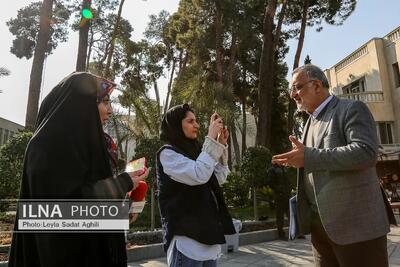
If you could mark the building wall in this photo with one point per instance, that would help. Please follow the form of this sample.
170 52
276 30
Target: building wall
8 129
251 132
391 44
370 64
382 111
373 61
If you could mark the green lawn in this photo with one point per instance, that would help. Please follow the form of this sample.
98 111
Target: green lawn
247 213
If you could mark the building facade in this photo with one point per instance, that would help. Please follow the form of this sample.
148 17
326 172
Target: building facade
371 74
8 129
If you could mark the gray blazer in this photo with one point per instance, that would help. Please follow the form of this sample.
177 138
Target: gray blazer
346 185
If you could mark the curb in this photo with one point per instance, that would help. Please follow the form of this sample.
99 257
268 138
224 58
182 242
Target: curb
153 251
145 252
156 250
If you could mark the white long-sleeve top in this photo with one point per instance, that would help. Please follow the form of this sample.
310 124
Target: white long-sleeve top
194 172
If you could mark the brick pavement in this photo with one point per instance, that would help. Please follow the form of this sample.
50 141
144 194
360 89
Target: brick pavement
280 253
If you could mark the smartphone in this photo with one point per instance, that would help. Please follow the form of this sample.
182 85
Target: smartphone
216 115
137 165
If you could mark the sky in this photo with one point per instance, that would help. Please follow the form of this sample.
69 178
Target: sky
372 18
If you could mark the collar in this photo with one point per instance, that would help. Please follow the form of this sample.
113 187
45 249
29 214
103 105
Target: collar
321 107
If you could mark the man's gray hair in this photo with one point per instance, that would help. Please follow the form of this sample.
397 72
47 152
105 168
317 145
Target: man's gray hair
314 73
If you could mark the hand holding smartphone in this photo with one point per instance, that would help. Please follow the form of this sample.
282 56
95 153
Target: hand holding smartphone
216 124
136 167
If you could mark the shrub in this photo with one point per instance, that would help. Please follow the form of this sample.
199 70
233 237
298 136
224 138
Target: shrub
11 165
236 190
148 147
255 163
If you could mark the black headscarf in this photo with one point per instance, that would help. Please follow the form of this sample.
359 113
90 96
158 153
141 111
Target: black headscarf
67 159
172 132
69 134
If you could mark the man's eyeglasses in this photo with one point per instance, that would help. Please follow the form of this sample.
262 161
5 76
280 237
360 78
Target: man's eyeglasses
298 87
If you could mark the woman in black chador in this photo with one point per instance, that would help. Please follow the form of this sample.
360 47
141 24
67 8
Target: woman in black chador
193 212
70 157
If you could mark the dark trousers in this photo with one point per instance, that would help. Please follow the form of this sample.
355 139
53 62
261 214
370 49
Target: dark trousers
371 253
281 208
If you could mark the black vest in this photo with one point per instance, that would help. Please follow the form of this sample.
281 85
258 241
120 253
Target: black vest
198 212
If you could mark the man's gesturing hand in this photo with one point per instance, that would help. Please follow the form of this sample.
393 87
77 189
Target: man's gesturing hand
293 158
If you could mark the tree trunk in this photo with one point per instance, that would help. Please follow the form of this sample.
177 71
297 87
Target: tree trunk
140 114
230 69
244 120
180 60
230 152
255 203
171 77
107 70
157 93
218 43
235 142
279 25
302 33
182 66
37 64
84 26
90 46
152 208
232 61
127 139
292 105
119 141
266 78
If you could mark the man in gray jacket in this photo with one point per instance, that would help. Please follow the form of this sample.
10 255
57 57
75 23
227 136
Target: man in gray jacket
338 195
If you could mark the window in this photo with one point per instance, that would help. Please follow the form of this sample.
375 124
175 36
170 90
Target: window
396 74
385 132
355 87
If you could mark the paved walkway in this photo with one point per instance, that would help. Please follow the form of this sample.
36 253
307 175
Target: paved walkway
280 253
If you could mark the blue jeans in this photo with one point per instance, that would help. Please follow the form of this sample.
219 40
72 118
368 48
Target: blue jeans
180 260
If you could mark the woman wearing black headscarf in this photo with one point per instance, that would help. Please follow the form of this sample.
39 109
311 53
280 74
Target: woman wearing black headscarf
68 158
193 212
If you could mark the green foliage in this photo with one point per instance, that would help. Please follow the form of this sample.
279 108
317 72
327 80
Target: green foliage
246 213
11 164
255 163
279 131
148 147
142 67
6 218
266 194
236 190
333 12
102 29
4 72
100 9
307 60
192 28
25 28
143 221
